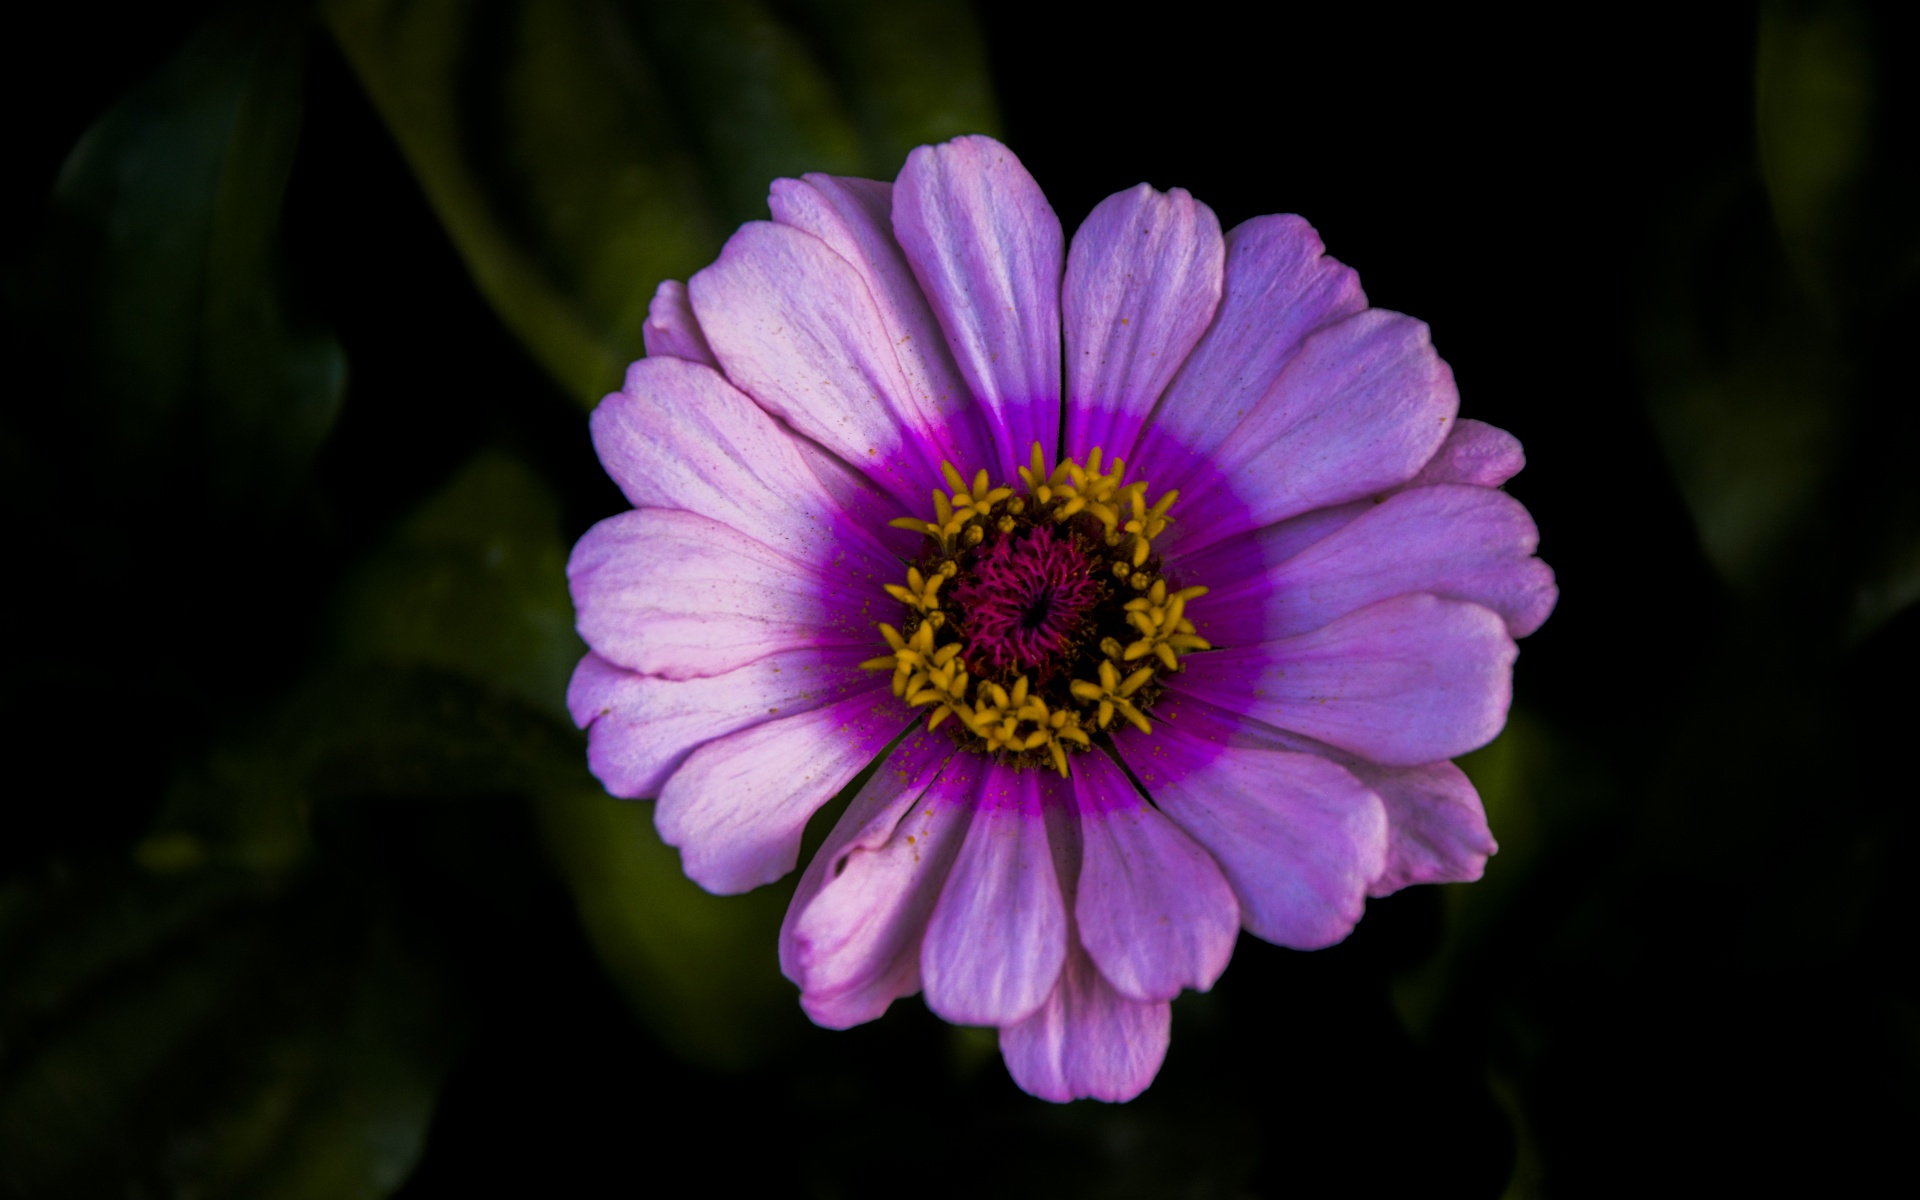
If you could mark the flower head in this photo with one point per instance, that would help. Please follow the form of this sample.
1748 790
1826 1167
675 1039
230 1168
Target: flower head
1170 639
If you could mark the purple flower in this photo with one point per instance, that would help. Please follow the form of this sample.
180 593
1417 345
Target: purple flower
1239 552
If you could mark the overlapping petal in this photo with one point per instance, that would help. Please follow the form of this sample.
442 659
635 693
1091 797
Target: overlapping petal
1297 836
1087 1041
853 935
795 326
737 807
1144 278
1409 680
640 728
1154 912
1464 543
678 594
1359 409
986 248
1279 286
680 436
998 934
671 330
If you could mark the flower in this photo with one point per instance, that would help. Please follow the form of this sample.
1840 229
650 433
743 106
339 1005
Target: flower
1174 641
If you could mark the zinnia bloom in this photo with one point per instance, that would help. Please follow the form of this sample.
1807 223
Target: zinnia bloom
1169 639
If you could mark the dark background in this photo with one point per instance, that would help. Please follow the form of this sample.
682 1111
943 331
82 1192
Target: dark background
1692 965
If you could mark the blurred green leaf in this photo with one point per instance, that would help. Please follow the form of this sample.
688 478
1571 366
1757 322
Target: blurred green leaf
1812 104
473 582
579 151
701 970
463 629
212 1036
162 274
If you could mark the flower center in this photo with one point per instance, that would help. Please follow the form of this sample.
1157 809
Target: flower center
1026 598
1036 618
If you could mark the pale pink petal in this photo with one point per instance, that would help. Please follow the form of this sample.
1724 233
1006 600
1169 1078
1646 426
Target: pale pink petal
1361 407
1437 827
999 931
680 436
1279 287
640 728
1410 680
1143 280
795 327
671 330
677 594
1475 453
1298 837
1463 543
987 249
737 807
855 938
1087 1041
1153 910
854 217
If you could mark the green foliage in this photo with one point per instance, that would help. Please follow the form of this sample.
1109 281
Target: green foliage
580 151
213 1035
163 270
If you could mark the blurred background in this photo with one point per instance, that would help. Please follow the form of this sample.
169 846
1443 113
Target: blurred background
305 891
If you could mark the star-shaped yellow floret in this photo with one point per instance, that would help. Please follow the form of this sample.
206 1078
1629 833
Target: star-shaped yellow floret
1164 630
1113 694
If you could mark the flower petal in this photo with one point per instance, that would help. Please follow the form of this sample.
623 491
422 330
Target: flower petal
1463 543
1360 409
1143 280
854 933
1087 1040
680 595
987 249
795 327
680 436
999 931
1297 836
1153 910
640 728
1436 826
854 217
1475 453
1410 680
1243 560
1279 286
671 330
737 807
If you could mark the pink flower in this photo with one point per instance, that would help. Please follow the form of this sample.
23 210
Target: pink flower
1239 552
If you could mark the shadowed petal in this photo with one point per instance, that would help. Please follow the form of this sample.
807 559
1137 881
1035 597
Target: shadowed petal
1153 910
999 931
1475 453
987 249
640 728
1143 280
680 436
1437 827
680 595
671 330
1298 837
1410 680
854 933
1087 1040
737 807
1279 286
1463 543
